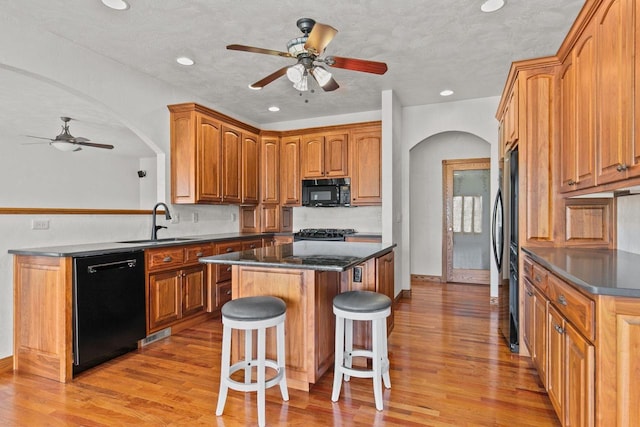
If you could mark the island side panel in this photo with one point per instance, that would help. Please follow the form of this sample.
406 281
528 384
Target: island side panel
327 286
296 288
42 316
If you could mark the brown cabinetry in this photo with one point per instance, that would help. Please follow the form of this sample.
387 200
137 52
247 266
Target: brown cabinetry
366 165
290 180
324 155
270 170
510 124
176 284
207 164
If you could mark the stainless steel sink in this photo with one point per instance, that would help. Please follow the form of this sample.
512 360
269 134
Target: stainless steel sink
149 241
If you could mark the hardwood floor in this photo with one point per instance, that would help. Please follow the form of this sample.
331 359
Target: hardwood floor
449 367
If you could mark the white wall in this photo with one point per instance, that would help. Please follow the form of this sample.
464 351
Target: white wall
475 117
628 211
426 194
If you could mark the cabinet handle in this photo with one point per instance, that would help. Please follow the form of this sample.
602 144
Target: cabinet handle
621 167
199 254
562 300
529 293
252 246
167 259
229 268
538 279
229 250
229 292
558 329
571 182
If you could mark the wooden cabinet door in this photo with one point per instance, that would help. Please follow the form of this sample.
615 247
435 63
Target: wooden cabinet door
183 157
209 155
270 218
511 119
290 180
585 109
366 166
165 299
250 168
336 154
568 150
312 158
231 164
540 334
555 380
270 170
528 318
193 290
579 367
614 21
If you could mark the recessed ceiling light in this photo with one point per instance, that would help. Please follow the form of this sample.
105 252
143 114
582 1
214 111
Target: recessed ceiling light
255 87
116 4
273 108
183 60
446 92
491 5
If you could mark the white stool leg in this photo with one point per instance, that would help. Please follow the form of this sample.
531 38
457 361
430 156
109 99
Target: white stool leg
248 354
284 391
224 369
261 376
376 361
385 355
348 345
339 359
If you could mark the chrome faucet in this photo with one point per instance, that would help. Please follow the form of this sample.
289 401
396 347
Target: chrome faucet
154 227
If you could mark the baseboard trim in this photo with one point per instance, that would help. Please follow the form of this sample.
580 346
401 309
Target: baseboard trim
6 364
426 278
405 293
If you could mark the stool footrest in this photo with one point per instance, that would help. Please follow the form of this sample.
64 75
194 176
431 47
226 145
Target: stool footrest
253 386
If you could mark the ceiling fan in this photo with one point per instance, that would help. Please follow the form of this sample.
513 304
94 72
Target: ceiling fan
307 50
67 142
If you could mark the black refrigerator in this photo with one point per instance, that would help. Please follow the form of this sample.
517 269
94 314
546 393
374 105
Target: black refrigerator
505 227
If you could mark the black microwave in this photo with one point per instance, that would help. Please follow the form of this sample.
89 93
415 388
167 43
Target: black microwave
326 192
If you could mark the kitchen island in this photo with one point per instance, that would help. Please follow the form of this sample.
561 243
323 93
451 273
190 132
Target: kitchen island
307 275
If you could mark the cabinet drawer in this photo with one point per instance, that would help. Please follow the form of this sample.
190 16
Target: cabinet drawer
223 293
223 271
192 253
575 306
158 259
251 244
527 269
540 278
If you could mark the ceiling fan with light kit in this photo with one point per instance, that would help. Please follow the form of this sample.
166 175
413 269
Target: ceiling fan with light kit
67 142
307 50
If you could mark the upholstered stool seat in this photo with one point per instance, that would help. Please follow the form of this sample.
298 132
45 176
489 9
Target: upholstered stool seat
249 314
364 306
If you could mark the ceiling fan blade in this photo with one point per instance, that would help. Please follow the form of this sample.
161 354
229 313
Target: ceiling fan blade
320 36
271 77
356 64
39 137
258 50
95 145
80 139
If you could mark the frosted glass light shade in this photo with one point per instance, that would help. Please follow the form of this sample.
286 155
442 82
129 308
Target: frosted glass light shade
302 85
322 76
64 146
295 73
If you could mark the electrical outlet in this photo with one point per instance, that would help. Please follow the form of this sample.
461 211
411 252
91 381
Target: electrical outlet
40 224
194 217
175 218
233 217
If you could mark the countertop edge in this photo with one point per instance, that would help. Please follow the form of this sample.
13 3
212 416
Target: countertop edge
585 286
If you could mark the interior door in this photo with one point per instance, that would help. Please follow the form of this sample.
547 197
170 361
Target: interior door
467 221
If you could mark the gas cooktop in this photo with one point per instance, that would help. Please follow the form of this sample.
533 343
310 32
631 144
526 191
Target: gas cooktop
335 234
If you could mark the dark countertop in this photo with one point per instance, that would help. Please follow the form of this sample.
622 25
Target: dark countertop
89 249
597 271
306 255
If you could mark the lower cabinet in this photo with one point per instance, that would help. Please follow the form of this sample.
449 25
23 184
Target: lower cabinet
176 285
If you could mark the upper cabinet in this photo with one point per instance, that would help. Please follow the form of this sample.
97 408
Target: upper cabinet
366 165
614 73
324 155
510 122
290 181
207 164
270 169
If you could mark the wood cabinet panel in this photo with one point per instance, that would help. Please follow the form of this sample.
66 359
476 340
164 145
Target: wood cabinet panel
223 272
589 222
324 155
540 335
290 180
250 152
193 290
528 317
568 148
385 282
231 164
312 157
209 153
579 388
555 381
614 23
366 167
270 170
336 154
573 305
183 158
164 258
165 299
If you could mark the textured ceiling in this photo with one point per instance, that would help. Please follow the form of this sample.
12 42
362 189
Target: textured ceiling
428 46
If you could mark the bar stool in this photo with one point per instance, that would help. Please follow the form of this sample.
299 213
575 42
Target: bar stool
367 306
249 314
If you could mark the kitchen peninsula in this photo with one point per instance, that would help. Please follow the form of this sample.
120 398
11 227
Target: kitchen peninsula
307 275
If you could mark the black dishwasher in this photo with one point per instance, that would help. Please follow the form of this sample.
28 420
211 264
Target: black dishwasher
108 307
